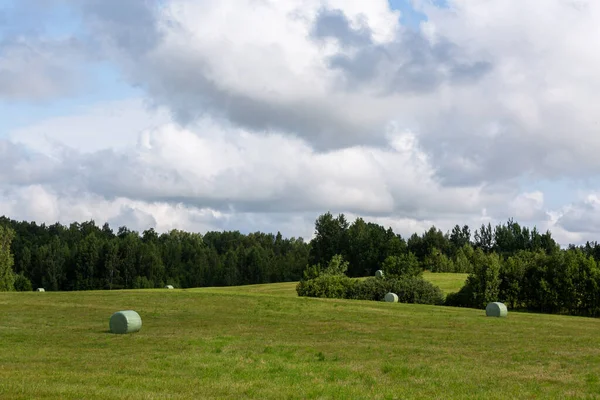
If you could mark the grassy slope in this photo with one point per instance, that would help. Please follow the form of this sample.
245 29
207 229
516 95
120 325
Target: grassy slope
447 282
212 343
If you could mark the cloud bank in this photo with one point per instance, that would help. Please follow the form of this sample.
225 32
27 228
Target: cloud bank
260 115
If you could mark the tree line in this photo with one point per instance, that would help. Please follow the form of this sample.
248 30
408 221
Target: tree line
561 282
367 245
84 256
506 262
516 265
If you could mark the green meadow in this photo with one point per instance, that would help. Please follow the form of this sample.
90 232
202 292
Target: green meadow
264 342
448 282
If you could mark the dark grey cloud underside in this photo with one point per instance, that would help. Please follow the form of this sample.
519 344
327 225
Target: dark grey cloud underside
40 69
460 136
409 64
129 25
19 167
320 125
582 217
334 24
186 87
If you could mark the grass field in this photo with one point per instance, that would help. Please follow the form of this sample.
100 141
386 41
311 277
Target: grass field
264 342
447 282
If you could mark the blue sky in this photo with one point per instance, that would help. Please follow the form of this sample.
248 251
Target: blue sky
409 16
103 81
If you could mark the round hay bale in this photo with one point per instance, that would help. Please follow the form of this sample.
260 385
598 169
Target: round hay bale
496 309
169 287
127 321
40 289
379 274
391 297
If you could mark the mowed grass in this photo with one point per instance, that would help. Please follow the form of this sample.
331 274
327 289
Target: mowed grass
447 282
246 343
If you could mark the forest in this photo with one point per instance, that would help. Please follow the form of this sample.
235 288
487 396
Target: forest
519 265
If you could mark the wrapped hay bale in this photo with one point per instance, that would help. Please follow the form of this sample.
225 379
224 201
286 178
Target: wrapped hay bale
169 287
40 289
127 321
379 274
391 297
496 309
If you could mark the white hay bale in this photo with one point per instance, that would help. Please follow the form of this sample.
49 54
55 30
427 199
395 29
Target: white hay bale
391 297
40 289
379 274
496 309
127 321
169 287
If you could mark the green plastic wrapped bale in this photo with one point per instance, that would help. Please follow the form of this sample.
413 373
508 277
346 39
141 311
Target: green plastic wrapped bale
391 297
127 321
40 289
169 287
496 309
379 273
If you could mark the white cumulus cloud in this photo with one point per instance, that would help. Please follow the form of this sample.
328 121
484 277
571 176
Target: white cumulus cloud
267 113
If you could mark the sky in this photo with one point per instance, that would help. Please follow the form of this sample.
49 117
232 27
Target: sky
260 115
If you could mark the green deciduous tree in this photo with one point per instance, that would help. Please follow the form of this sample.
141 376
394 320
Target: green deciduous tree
403 265
336 266
7 275
436 261
331 238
